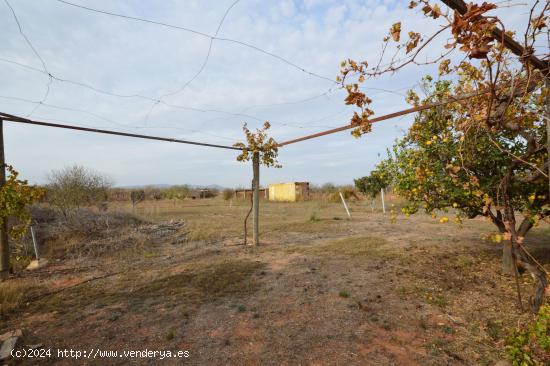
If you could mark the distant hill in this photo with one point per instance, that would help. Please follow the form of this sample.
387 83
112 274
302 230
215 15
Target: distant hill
164 186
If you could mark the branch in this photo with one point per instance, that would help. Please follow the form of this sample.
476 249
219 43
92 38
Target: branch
461 7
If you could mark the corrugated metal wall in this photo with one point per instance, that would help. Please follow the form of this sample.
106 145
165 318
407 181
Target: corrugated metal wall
282 192
289 192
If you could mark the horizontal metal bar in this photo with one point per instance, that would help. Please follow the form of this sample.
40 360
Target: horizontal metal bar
17 119
384 117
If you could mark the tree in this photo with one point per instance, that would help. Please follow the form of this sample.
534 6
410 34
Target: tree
259 142
499 96
439 166
262 150
136 197
372 184
15 196
73 187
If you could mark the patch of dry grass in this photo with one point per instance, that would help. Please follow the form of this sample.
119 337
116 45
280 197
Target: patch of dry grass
195 283
358 247
14 293
204 233
207 280
213 219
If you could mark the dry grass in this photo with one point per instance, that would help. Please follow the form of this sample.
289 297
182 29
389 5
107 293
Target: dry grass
216 220
13 294
191 284
206 280
321 289
357 247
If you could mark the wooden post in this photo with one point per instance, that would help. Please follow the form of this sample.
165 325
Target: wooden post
256 198
345 205
4 245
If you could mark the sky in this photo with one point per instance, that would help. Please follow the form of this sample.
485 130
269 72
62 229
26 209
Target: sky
208 88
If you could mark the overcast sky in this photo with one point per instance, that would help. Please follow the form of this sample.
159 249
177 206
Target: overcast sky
237 84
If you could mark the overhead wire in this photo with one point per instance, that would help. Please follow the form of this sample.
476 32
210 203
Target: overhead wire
155 101
29 43
202 34
205 62
202 67
105 119
158 101
171 105
25 37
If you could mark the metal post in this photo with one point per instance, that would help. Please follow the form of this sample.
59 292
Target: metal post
256 198
35 243
4 245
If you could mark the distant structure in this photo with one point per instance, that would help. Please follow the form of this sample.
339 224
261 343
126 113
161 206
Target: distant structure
246 194
289 192
200 193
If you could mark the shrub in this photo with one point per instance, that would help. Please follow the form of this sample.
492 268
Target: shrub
344 294
73 187
227 194
176 192
136 197
328 188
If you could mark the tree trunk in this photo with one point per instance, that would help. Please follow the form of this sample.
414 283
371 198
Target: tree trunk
508 265
538 274
256 199
518 252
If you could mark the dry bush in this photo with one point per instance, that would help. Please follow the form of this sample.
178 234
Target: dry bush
228 194
331 193
85 232
74 187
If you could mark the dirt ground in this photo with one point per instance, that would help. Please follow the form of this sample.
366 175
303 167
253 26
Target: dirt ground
321 289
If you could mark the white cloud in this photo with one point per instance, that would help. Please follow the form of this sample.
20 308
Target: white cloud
287 8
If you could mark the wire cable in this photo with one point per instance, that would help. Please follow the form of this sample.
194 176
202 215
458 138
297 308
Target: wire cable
13 118
25 37
47 93
103 118
171 105
244 44
205 62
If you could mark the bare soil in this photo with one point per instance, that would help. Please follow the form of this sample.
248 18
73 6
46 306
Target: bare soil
320 290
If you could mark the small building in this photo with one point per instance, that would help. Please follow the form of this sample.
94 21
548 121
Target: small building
289 192
246 194
200 193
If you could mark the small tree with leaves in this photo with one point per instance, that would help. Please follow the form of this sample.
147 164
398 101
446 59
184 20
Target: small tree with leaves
15 197
258 146
259 143
372 184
